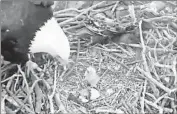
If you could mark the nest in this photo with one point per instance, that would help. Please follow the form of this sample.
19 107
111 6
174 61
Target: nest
136 76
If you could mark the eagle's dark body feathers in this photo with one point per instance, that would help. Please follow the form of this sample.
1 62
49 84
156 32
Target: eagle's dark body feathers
20 20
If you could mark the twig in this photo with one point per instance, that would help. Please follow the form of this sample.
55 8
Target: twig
59 103
150 111
21 103
27 88
160 18
34 84
150 49
161 109
117 61
151 95
154 81
144 48
67 10
6 67
84 12
65 15
143 97
9 83
79 26
13 76
174 70
160 98
173 104
50 97
147 71
109 111
39 97
101 10
16 82
46 84
115 6
3 111
163 66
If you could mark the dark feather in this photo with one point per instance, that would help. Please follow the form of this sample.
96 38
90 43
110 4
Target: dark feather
20 21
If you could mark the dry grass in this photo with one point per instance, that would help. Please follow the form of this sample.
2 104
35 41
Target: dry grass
146 84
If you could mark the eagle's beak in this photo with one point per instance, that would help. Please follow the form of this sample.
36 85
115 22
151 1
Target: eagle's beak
63 61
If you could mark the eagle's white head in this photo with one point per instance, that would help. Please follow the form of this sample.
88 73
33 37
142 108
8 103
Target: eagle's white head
52 40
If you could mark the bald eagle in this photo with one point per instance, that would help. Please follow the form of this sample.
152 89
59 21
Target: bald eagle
29 27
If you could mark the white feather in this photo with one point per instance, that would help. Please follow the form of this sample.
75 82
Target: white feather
52 40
